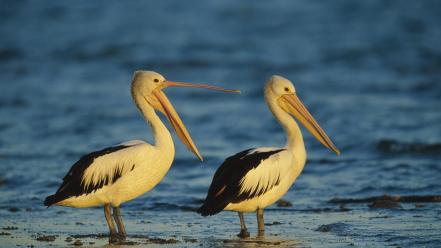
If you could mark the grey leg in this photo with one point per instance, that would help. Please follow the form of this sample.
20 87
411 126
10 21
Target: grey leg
243 229
260 223
113 234
121 229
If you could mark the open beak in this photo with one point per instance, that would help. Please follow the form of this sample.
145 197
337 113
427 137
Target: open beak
167 108
200 86
293 105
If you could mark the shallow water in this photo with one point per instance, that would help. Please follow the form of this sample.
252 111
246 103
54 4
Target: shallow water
368 71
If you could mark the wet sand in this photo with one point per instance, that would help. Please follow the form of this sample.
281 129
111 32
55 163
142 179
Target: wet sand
348 225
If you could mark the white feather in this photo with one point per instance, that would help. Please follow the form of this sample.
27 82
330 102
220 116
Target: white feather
107 165
266 174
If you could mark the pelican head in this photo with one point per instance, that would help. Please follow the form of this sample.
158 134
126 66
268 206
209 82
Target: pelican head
283 92
150 85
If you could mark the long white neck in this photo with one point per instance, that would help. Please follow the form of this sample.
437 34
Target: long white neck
294 135
161 135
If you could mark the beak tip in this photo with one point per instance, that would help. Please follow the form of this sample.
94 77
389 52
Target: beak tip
198 155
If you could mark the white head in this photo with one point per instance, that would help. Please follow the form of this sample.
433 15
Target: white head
146 81
278 86
280 92
149 86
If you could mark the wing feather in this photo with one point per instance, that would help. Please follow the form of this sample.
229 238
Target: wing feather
95 170
262 178
245 175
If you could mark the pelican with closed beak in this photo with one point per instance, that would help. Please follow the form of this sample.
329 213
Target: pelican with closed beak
253 179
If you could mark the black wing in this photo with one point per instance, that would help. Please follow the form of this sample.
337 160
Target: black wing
72 183
226 185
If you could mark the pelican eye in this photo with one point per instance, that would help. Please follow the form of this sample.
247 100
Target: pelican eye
286 89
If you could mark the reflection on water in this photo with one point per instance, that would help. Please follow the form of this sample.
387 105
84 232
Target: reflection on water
269 241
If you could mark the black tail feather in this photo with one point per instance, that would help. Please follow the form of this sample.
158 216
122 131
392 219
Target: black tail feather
210 209
52 199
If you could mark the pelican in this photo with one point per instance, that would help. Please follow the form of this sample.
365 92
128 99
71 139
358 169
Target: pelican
253 179
121 173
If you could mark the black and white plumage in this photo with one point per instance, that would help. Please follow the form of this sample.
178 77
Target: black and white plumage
256 178
123 172
87 175
229 183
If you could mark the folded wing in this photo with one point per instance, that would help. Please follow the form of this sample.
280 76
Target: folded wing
95 170
243 176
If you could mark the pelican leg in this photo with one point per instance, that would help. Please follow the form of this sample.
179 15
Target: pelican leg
260 224
113 236
121 229
243 229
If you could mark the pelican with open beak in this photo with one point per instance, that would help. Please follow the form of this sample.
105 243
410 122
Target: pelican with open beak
253 179
120 173
160 102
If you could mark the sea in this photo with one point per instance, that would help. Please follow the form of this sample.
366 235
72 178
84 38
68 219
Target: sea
368 71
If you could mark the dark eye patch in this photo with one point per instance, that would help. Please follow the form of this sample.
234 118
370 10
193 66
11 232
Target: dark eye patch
156 80
286 89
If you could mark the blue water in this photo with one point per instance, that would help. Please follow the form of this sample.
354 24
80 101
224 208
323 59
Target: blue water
369 71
